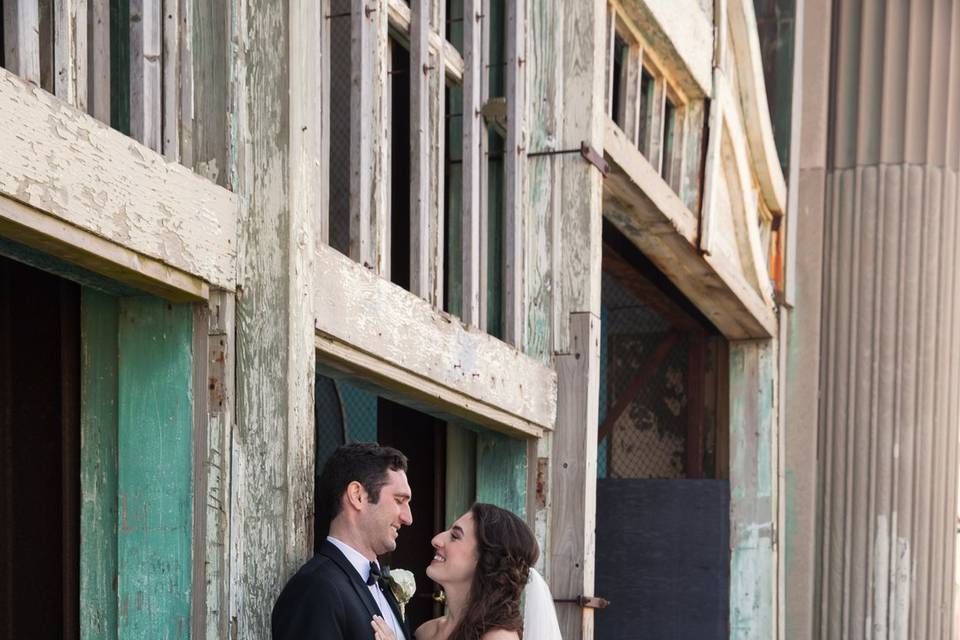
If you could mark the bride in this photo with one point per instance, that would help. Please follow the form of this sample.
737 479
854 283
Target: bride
484 562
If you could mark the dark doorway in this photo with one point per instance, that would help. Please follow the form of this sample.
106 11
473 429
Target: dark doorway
423 439
39 453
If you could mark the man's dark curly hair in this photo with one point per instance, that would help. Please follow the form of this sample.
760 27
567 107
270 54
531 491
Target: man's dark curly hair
506 549
364 462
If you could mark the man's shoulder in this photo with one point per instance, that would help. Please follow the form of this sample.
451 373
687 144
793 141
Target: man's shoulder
320 569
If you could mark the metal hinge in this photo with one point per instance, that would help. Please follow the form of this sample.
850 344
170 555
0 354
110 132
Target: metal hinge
589 154
586 602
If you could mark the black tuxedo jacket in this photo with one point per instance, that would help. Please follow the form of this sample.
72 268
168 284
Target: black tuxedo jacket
327 599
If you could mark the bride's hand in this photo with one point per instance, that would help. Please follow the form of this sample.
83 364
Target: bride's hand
381 630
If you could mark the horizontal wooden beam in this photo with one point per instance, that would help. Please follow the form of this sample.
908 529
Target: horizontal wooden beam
374 329
644 208
79 247
400 17
62 162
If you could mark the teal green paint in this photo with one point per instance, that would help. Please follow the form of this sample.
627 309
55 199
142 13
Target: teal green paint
752 421
502 471
461 489
360 412
154 470
47 262
98 465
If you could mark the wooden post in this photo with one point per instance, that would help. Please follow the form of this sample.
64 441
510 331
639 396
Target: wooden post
98 71
473 134
21 39
146 73
70 52
438 120
574 475
170 92
516 165
369 137
421 163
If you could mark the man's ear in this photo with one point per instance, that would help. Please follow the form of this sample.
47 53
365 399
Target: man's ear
355 495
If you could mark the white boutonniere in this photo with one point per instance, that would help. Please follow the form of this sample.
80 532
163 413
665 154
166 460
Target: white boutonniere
403 585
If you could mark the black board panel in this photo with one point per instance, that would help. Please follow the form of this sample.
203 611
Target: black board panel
663 559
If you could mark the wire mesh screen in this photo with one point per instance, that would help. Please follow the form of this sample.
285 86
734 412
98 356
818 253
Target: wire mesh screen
340 125
644 417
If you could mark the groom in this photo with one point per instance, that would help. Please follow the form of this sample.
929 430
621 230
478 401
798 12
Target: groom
364 489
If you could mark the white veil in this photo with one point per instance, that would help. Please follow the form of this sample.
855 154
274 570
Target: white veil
539 615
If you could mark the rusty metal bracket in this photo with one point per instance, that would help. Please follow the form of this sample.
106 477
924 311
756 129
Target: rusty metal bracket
586 602
588 153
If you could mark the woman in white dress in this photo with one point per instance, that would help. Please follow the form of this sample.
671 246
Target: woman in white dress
484 563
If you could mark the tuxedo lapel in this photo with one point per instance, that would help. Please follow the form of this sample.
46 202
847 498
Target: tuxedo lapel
392 601
359 586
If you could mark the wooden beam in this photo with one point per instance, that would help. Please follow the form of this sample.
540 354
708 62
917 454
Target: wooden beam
438 157
146 72
516 165
473 134
371 315
98 70
400 16
70 52
651 215
95 179
421 163
199 611
21 39
32 228
369 134
574 476
171 81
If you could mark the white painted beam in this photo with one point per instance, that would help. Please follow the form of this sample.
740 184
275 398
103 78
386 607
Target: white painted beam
70 52
400 16
65 163
378 329
473 133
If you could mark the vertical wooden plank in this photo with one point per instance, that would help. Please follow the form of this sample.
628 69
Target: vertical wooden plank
70 51
574 475
502 471
323 223
209 94
610 52
369 137
631 94
216 501
48 37
473 135
201 397
170 91
420 148
98 465
155 421
516 172
461 472
483 250
438 120
21 39
185 57
98 60
146 73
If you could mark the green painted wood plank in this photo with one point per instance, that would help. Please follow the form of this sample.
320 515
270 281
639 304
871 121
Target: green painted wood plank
155 422
461 489
98 465
502 471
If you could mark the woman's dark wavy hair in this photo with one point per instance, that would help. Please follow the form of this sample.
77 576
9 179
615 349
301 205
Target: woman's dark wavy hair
506 549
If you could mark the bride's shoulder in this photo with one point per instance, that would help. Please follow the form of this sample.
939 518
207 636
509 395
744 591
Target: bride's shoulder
500 634
428 629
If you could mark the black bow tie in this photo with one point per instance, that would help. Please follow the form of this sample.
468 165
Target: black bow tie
379 576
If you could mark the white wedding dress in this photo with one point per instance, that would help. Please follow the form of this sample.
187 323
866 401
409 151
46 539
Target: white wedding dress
539 614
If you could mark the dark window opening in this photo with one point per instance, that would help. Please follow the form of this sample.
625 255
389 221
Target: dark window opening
453 205
619 80
339 165
39 454
400 165
647 108
496 223
668 168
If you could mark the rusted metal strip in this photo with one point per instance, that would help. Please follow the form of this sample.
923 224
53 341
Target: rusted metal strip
589 154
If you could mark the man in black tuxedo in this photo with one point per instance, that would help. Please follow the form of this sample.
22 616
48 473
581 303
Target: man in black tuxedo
338 592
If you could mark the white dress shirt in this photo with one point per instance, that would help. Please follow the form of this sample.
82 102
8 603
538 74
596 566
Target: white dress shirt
362 565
